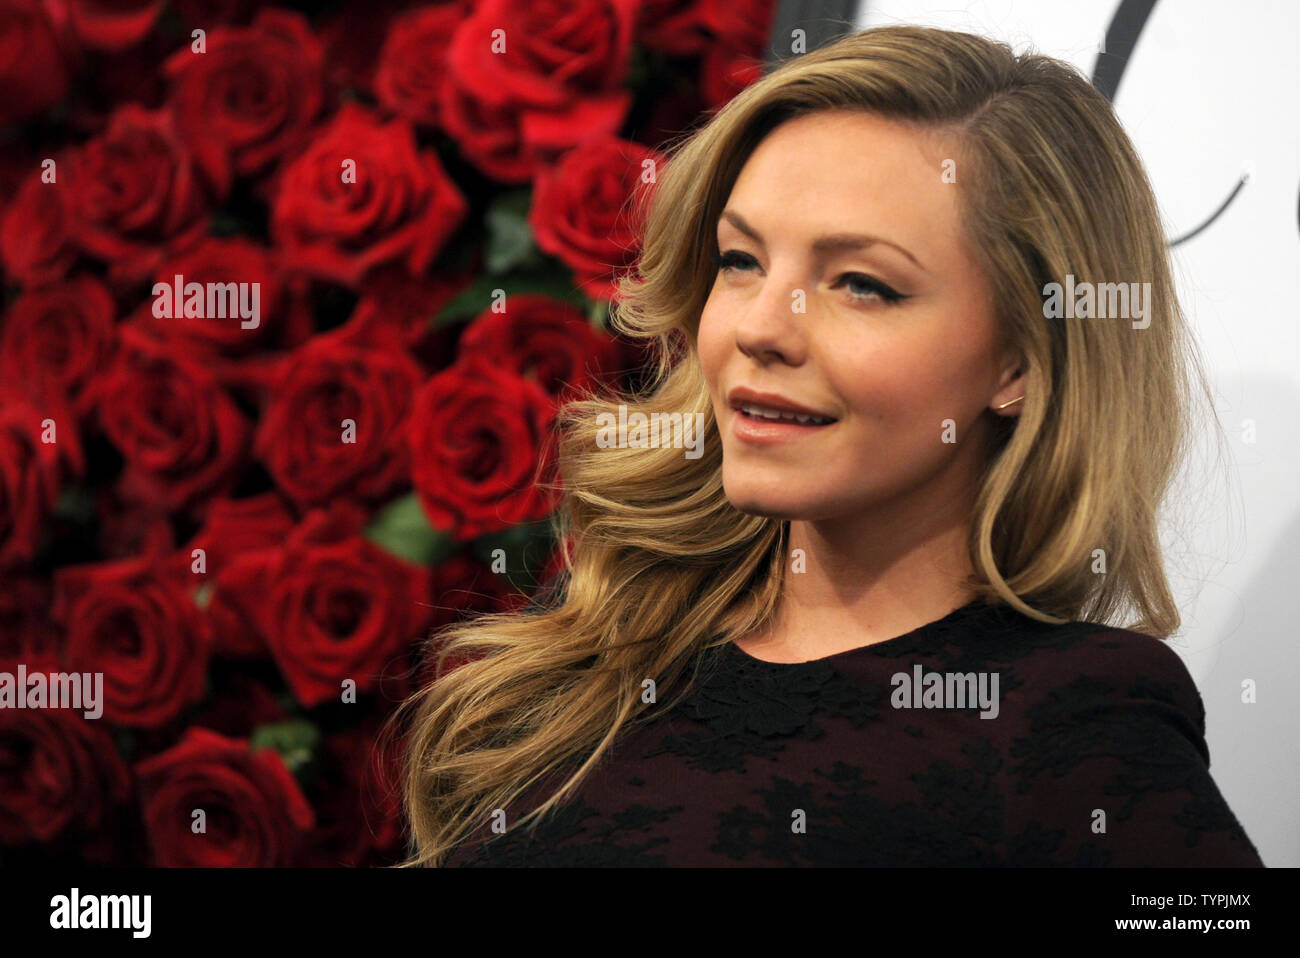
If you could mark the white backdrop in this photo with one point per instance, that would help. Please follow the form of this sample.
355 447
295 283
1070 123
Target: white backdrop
1209 97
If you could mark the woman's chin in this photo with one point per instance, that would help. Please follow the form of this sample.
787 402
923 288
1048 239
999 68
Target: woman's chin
774 505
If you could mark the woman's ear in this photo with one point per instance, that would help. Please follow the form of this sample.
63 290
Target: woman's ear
1009 399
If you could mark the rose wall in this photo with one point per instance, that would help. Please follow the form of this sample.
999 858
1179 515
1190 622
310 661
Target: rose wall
250 524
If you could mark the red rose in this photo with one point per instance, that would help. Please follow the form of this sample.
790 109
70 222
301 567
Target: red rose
490 138
224 260
673 26
138 624
241 360
237 593
133 190
735 59
232 530
361 196
231 610
545 339
256 815
353 36
251 97
358 814
56 340
339 376
32 471
477 432
34 238
182 437
463 588
578 211
744 27
331 606
33 73
62 774
557 82
113 24
725 71
233 527
412 65
407 306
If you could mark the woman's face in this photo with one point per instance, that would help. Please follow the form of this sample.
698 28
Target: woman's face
890 338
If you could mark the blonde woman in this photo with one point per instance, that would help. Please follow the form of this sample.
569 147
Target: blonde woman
876 621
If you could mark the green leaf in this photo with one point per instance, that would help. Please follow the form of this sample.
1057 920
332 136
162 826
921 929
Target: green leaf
75 504
598 314
510 239
639 68
224 224
125 740
295 739
553 282
527 547
402 529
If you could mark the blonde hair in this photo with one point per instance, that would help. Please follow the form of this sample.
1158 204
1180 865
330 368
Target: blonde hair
661 566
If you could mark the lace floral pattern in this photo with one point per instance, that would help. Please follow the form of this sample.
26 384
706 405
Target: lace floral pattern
1097 757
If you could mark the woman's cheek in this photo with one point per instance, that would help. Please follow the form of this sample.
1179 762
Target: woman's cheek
711 347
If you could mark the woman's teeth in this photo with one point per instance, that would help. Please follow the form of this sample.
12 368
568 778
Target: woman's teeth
760 412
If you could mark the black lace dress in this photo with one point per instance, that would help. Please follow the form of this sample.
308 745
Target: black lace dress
1096 757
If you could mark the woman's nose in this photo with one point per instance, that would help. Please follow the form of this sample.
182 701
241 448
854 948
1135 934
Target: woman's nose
774 322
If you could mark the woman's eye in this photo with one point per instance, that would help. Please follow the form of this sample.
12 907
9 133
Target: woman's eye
868 287
862 287
731 259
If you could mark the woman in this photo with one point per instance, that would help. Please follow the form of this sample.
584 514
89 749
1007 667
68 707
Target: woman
859 627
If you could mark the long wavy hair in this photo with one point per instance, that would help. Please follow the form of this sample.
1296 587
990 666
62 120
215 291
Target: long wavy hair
660 566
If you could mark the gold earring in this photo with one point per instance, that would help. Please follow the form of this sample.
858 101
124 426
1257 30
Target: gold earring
1011 403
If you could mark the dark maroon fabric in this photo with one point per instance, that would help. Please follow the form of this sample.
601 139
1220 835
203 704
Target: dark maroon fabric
1090 718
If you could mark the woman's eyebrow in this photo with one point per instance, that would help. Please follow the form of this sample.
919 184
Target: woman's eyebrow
831 243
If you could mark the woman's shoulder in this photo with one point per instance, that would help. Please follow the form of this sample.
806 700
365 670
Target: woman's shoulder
1107 649
1109 719
1092 674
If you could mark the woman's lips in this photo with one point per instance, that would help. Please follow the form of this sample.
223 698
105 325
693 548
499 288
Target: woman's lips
762 431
